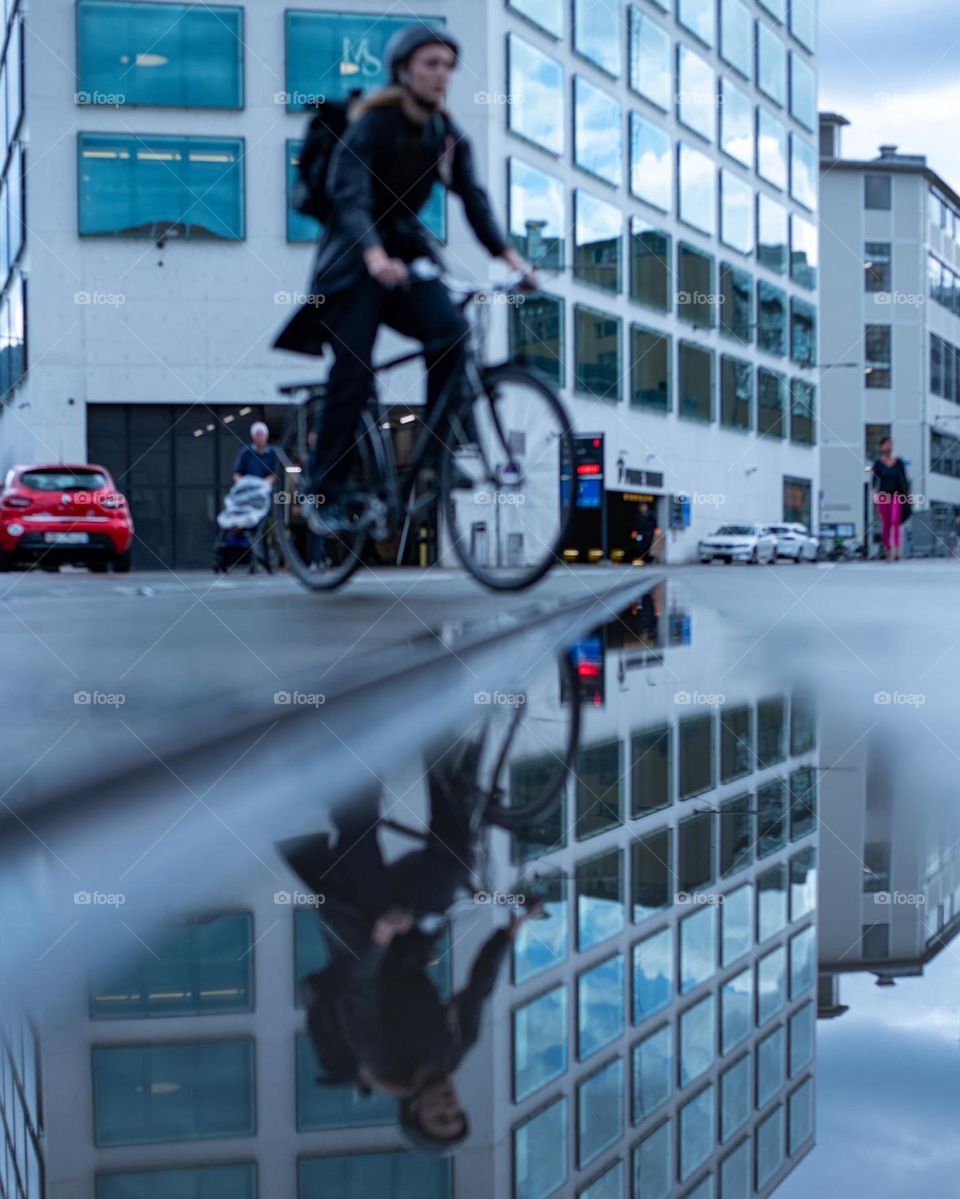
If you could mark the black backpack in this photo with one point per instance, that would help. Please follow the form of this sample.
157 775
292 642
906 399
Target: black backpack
326 128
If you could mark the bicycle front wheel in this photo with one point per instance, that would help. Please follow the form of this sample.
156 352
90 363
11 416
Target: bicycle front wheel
505 479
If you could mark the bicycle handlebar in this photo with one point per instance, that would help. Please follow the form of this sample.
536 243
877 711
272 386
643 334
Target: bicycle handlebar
424 270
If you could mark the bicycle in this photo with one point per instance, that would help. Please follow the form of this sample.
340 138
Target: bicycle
505 448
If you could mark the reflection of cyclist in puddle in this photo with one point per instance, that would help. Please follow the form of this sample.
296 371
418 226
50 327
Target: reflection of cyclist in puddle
374 1015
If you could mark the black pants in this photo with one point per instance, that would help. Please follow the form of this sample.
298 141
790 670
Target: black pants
423 311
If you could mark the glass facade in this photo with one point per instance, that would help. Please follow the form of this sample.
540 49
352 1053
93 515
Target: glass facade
538 218
404 1175
803 22
174 55
696 93
771 984
650 354
147 186
696 294
736 395
697 187
596 34
771 234
803 91
771 900
652 882
736 36
599 788
197 1182
539 1153
699 17
651 69
535 85
600 1005
736 212
698 948
771 407
537 950
539 1042
771 1065
651 276
597 132
598 241
736 835
771 149
600 910
596 353
771 64
697 1131
653 1068
736 308
736 1010
772 318
736 122
803 171
695 403
652 974
736 1097
651 163
599 1111
320 1105
536 336
651 756
698 1039
736 923
548 14
804 251
653 1164
803 333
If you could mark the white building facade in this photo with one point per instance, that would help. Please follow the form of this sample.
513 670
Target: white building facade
660 167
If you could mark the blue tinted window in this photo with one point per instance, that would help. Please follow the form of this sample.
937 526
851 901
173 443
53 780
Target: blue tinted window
330 54
771 902
735 1181
539 1042
651 72
599 1111
771 149
803 961
608 1186
149 186
539 1154
177 55
800 1115
597 132
736 1008
545 943
699 16
769 1146
598 234
697 1131
736 35
537 215
736 122
548 14
652 882
652 974
771 63
596 34
198 1182
653 1164
173 1092
600 912
698 189
600 1002
535 87
736 1102
771 1065
803 171
803 91
698 948
771 984
802 1025
803 883
197 968
651 163
652 1072
696 93
323 1106
698 1039
803 22
736 922
399 1175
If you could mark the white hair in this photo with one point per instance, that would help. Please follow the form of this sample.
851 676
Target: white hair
258 427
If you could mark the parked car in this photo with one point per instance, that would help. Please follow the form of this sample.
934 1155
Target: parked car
795 542
59 514
739 543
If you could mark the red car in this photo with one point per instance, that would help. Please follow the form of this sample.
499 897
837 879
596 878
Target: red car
51 515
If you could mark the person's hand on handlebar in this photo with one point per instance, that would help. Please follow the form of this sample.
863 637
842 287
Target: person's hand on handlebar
531 278
388 272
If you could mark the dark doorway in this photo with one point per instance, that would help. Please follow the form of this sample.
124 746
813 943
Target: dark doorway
174 464
622 511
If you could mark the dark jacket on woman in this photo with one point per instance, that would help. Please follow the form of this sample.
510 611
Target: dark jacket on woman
380 177
892 479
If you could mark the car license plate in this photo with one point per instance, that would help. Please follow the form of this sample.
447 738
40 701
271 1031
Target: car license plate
66 538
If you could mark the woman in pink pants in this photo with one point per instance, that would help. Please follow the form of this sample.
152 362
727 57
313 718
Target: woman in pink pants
890 489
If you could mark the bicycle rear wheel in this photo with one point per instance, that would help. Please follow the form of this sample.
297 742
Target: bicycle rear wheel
324 563
506 454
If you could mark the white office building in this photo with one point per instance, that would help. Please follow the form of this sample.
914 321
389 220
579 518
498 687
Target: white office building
890 238
657 161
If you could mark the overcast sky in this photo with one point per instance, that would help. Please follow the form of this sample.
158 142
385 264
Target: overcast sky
892 68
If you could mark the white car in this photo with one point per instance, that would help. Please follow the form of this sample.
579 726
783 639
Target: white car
739 543
795 542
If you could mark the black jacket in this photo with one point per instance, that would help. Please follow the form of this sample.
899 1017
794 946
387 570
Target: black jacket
380 176
892 479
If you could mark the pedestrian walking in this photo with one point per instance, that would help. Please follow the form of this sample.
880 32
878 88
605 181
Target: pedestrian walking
259 458
645 529
891 490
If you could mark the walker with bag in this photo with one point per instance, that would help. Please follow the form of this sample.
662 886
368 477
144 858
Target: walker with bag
243 526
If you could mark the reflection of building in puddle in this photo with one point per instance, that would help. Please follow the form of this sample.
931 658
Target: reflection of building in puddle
890 864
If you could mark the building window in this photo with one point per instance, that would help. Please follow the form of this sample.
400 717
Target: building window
212 1182
650 273
696 297
803 961
599 232
698 1039
736 122
696 401
538 218
596 34
736 398
736 724
736 1175
320 1105
11 211
200 968
771 234
770 1139
803 421
651 163
797 501
699 16
803 333
653 971
300 228
736 1010
696 93
876 867
535 110
12 81
527 780
597 125
146 186
539 1042
651 874
600 913
878 353
771 64
873 436
649 369
651 75
772 318
599 789
771 731
535 951
875 944
776 8
771 149
800 1116
698 189
175 55
803 92
771 888
877 192
736 36
695 740
653 1065
736 308
596 363
536 335
944 454
771 396
377 1174
173 1092
803 251
736 1100
599 1112
803 723
803 883
696 852
736 835
801 1038
13 347
803 802
803 22
771 1065
938 349
697 1131
600 1001
803 172
736 212
548 14
698 944
653 1164
771 984
651 759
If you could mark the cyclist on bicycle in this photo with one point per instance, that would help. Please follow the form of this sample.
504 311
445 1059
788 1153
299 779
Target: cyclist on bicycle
400 142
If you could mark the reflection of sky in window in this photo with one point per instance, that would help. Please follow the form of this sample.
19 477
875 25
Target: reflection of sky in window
653 1164
800 1120
803 963
600 1111
771 903
540 1041
535 196
536 90
803 884
540 1153
736 1007
772 150
600 1005
548 14
650 72
541 944
771 979
769 1145
698 1036
803 185
598 132
803 91
697 1120
651 162
736 35
771 1065
652 1072
608 1186
596 220
772 63
698 189
735 921
697 93
735 1102
737 212
735 1171
699 17
652 974
600 916
736 123
805 240
597 33
698 948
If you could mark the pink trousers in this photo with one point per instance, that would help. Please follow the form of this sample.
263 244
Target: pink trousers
889 506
